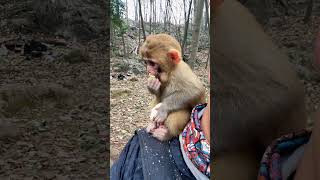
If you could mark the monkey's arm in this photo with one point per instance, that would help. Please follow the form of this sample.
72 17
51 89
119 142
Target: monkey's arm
176 101
181 100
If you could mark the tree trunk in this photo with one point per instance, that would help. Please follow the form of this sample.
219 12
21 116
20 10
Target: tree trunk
111 40
135 11
141 20
155 11
196 31
150 18
160 11
308 12
166 15
207 14
127 16
124 47
139 33
185 34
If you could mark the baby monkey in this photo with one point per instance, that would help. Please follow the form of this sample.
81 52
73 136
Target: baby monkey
176 88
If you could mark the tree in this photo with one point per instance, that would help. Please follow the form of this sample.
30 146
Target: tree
196 31
141 20
207 15
308 12
150 17
117 11
185 34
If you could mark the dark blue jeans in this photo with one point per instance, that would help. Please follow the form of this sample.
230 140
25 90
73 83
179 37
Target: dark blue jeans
146 158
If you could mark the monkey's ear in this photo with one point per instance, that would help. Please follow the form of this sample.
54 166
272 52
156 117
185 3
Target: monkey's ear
174 55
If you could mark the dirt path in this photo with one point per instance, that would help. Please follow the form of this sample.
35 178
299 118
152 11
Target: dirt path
61 136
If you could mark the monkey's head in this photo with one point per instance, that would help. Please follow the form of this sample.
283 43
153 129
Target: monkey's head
161 53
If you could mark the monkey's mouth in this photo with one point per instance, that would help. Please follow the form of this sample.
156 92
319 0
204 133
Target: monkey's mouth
154 65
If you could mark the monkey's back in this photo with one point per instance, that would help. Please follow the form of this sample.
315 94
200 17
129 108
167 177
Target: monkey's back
185 81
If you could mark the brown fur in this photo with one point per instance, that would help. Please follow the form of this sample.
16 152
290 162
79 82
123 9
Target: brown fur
181 89
257 95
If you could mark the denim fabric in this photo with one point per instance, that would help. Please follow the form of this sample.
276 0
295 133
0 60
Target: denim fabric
145 158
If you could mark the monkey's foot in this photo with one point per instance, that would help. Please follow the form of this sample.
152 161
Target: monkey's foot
162 133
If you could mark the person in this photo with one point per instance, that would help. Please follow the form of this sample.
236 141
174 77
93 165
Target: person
293 156
309 167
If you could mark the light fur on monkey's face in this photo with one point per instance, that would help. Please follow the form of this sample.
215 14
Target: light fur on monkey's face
153 68
163 50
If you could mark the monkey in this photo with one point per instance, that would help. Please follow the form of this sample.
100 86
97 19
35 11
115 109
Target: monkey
257 96
175 87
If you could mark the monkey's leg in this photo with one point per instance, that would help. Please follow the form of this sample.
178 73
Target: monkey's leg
176 122
173 125
235 166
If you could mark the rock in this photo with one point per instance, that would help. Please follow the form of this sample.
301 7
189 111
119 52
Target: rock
77 56
18 23
133 79
3 51
8 129
121 77
49 58
304 73
34 48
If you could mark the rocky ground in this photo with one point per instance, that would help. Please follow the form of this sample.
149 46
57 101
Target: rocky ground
52 108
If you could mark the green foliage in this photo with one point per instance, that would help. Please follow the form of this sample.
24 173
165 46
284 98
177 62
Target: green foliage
117 11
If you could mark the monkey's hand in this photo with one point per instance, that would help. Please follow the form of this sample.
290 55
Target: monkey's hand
153 84
151 127
159 114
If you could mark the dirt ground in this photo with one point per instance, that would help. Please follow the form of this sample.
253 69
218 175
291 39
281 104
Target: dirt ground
52 110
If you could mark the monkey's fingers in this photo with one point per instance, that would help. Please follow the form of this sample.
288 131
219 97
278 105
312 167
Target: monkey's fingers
157 106
150 128
149 84
154 85
153 114
161 116
157 85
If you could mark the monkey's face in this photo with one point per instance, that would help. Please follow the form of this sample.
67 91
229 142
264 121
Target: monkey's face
161 53
153 67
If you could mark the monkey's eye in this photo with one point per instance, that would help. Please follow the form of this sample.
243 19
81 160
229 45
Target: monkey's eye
150 63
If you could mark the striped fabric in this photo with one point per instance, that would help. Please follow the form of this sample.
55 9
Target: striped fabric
271 163
195 145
